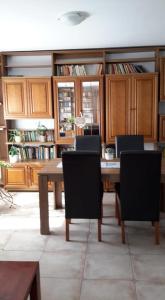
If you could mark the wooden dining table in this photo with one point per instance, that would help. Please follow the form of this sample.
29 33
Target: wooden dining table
51 172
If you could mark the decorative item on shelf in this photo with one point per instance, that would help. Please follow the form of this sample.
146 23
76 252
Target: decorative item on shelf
13 154
15 136
109 153
70 123
41 131
80 121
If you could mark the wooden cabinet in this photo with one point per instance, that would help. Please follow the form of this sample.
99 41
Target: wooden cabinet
23 176
16 177
131 106
27 97
162 78
75 96
3 129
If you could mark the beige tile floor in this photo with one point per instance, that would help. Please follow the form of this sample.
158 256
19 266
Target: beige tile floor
84 269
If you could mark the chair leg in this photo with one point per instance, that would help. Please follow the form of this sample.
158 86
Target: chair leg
101 213
118 211
99 229
157 233
123 232
67 222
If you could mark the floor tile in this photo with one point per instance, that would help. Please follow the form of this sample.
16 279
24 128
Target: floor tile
62 289
62 264
150 291
20 255
107 266
26 240
107 290
149 267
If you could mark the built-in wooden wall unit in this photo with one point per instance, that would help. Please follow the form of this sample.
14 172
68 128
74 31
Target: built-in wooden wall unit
117 90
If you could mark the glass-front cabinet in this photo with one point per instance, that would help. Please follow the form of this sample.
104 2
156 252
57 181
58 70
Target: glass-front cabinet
78 107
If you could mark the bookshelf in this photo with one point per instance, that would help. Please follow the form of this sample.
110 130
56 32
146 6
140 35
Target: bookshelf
30 147
133 61
78 63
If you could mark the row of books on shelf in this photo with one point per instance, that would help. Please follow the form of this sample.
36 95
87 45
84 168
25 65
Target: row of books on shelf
76 70
40 153
125 68
31 135
71 70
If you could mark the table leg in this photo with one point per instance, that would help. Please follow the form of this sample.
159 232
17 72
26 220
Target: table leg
58 195
35 293
43 201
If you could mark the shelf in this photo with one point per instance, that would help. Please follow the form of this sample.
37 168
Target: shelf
24 144
79 63
132 60
28 66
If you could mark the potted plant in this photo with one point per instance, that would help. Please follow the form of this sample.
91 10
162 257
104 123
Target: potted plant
15 136
109 153
70 123
13 154
41 131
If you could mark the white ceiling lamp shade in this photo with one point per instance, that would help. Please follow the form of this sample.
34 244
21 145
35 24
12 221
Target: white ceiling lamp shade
73 18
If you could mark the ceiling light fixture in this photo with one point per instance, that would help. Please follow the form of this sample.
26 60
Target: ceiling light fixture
73 18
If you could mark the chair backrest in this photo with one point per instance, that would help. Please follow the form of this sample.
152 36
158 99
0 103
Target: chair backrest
128 142
82 184
140 185
88 143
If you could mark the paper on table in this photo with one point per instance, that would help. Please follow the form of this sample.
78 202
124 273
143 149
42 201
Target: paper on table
59 165
108 164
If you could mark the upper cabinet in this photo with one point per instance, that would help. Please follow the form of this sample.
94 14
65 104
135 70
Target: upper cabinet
78 106
131 106
27 97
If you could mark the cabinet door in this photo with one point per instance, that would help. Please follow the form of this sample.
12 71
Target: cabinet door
162 78
91 104
65 109
118 96
33 177
146 101
15 98
16 178
39 97
33 173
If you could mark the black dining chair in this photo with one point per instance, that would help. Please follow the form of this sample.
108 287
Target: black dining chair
128 142
124 143
82 186
138 195
88 143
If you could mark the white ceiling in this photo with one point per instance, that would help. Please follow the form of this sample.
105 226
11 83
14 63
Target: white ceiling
33 24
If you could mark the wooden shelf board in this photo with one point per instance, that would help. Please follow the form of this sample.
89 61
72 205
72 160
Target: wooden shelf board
28 66
132 60
79 63
31 143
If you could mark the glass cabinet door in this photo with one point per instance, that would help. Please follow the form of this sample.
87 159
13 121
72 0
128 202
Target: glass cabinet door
90 106
66 109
